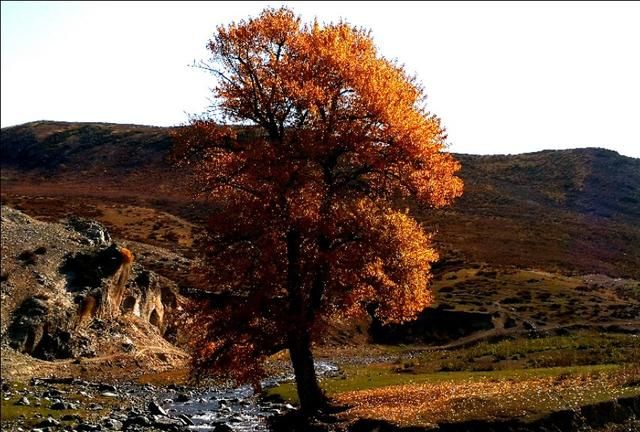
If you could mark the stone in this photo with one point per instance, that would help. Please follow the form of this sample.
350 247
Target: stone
23 401
187 420
167 423
87 427
107 388
109 394
224 409
53 393
237 418
95 233
62 405
156 409
113 424
137 420
183 398
48 422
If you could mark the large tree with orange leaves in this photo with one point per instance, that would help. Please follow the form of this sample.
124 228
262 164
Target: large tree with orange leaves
328 135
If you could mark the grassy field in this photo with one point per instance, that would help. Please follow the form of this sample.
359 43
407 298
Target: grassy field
419 386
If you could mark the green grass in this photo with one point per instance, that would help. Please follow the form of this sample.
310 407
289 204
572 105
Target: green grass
579 349
11 412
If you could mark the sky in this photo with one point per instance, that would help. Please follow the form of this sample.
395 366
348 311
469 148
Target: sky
505 78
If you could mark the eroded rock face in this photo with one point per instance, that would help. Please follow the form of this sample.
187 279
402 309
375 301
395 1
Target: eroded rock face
108 285
87 294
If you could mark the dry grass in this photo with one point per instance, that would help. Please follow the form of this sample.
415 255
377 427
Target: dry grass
451 401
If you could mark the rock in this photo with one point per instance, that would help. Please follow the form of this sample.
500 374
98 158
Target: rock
187 420
156 409
86 427
137 420
107 388
95 407
53 393
237 418
113 424
23 401
183 398
167 423
225 409
48 422
62 405
109 394
95 233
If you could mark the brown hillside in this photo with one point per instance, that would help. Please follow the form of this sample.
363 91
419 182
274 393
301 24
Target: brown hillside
570 210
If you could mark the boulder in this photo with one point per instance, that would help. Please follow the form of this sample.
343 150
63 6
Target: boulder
94 232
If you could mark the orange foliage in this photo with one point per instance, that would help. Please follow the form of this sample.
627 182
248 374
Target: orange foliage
304 230
127 256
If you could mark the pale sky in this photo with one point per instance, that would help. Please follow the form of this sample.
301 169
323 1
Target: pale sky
504 78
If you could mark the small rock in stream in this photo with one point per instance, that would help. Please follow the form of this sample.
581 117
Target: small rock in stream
154 408
186 419
183 398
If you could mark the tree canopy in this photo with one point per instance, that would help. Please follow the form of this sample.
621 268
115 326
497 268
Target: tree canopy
315 138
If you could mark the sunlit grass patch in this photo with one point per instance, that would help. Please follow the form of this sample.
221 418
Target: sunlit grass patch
376 391
490 397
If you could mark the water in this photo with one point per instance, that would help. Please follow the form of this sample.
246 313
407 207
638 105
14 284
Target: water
238 408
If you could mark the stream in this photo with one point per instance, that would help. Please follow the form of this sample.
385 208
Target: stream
239 408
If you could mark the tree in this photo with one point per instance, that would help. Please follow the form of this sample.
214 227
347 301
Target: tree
328 136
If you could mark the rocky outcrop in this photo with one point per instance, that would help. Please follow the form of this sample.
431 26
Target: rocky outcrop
107 284
78 291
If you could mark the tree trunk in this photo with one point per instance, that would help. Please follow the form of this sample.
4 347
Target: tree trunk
311 397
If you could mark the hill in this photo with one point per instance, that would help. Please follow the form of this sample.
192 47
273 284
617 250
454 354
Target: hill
537 292
575 211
